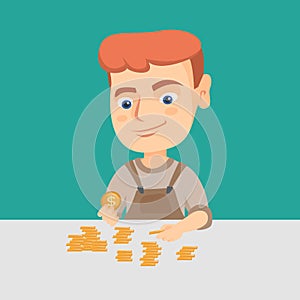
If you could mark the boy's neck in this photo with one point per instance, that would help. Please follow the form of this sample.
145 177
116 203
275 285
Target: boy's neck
154 159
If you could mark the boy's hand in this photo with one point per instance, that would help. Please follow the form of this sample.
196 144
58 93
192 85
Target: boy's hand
171 232
109 215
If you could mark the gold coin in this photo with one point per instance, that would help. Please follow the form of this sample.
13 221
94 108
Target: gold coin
186 257
111 199
128 260
76 241
149 243
122 228
120 235
98 250
122 241
150 256
152 249
98 243
90 226
123 234
95 242
189 247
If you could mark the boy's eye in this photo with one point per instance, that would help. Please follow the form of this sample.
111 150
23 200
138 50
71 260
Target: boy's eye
168 98
125 103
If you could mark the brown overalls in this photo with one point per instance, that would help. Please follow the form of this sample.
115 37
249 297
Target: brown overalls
155 204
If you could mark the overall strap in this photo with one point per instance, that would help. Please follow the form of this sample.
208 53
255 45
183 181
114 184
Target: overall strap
133 171
180 166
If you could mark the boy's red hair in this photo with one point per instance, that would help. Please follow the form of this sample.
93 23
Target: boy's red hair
134 51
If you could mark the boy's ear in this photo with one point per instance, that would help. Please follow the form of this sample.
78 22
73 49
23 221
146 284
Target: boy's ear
203 90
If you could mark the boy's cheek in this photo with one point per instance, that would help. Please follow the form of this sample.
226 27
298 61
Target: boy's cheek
122 118
170 111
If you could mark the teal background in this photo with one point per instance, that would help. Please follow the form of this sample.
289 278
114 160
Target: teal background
49 73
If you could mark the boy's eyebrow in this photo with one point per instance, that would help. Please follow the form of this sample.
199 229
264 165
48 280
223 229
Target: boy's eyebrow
162 83
124 90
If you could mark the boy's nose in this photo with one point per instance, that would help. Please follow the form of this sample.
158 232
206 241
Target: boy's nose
142 108
137 108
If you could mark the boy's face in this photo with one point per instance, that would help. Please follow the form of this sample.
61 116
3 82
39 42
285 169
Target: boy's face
154 110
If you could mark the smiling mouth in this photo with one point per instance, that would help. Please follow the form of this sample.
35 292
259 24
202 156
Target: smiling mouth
147 135
142 130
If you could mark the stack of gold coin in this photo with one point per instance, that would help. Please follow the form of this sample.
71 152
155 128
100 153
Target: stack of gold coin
186 253
92 241
76 243
88 241
123 235
124 255
151 252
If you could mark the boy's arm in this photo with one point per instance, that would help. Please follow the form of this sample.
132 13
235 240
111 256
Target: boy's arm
118 184
200 217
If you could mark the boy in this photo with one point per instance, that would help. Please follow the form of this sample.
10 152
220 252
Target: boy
150 75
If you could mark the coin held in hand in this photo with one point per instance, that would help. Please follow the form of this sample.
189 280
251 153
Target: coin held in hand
111 199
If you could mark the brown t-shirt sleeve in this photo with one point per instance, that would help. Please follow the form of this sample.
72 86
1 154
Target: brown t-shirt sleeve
122 183
189 188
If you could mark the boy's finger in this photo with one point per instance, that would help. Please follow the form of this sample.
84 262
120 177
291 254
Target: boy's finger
166 226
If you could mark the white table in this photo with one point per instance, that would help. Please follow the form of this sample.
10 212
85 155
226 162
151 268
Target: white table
235 260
